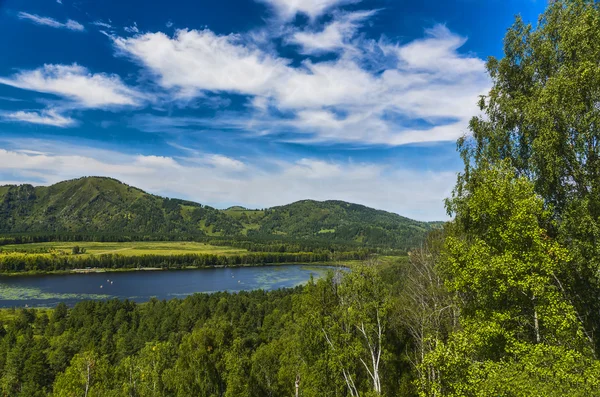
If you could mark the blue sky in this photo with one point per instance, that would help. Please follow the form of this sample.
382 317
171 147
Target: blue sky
249 102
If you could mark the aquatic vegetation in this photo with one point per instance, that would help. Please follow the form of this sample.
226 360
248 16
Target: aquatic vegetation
14 293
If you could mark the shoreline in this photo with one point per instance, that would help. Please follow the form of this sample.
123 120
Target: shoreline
346 264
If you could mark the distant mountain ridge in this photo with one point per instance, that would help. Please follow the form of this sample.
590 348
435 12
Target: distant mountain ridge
106 205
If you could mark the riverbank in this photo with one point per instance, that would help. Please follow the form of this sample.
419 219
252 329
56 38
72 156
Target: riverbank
43 263
103 270
346 264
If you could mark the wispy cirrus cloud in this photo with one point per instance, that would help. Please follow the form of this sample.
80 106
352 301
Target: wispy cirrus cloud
102 24
47 21
77 84
132 29
46 117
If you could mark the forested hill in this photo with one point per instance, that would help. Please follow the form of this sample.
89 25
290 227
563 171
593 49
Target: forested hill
335 220
104 205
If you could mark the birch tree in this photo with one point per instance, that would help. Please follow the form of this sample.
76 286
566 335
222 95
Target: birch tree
425 307
356 330
86 376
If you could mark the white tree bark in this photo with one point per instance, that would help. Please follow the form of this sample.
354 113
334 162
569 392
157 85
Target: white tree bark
87 380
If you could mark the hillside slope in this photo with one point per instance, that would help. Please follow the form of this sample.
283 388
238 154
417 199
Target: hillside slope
333 220
105 205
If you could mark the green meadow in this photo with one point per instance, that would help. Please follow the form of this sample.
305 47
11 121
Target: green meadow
124 248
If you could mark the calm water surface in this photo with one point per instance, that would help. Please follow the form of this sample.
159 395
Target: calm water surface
140 286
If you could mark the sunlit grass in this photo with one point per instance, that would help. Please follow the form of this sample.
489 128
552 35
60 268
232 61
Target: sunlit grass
136 248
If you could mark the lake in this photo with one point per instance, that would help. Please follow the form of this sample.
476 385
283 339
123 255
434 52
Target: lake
141 286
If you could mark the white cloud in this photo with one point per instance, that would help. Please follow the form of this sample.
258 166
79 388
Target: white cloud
336 83
156 161
314 169
102 24
132 29
88 90
54 168
26 151
47 117
59 1
218 161
330 38
287 9
224 162
437 53
193 61
416 194
334 36
47 21
373 92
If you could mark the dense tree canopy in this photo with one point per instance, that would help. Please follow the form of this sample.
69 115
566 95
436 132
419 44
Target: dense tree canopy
542 118
520 259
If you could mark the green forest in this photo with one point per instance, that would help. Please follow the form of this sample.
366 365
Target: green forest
504 300
44 263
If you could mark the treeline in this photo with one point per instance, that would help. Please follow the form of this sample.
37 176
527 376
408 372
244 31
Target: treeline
256 244
19 262
278 244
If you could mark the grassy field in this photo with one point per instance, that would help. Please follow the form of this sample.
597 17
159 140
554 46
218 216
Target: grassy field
127 249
